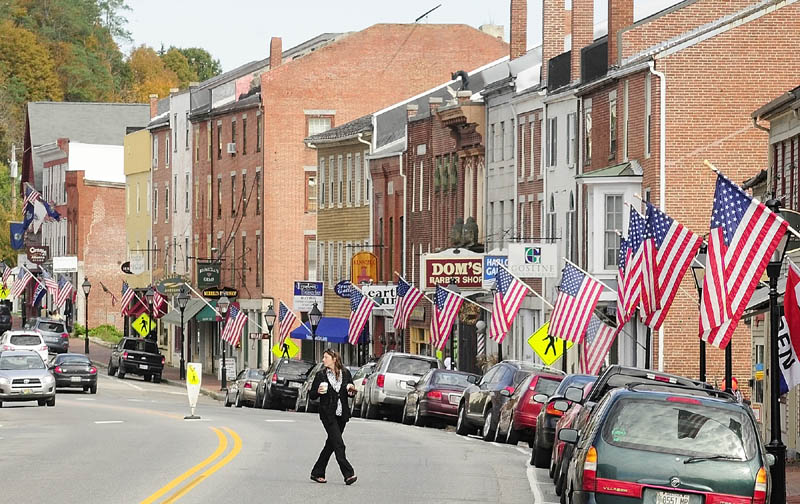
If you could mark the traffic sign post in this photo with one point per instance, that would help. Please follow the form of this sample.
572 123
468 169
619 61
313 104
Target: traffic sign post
194 377
548 348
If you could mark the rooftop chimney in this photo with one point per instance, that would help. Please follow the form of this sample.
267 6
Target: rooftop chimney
464 96
554 30
494 30
275 52
620 15
411 110
582 33
433 103
519 28
174 90
153 105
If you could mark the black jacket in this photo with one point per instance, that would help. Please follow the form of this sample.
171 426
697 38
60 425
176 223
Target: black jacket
327 402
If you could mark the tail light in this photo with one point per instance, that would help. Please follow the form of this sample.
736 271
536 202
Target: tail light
551 410
683 400
510 390
363 382
274 377
247 385
162 360
57 369
43 347
92 370
590 470
760 489
65 336
381 380
8 347
435 395
124 355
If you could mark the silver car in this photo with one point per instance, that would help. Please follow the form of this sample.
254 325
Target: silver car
25 377
386 388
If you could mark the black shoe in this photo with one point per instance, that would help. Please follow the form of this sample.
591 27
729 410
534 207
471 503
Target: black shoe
318 479
352 479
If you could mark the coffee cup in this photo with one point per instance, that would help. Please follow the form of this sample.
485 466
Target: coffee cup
323 388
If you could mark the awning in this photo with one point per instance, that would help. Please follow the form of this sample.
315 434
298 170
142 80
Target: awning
192 308
207 314
759 303
330 329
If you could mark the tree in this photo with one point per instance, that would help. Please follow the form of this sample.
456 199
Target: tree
30 71
177 62
149 74
202 63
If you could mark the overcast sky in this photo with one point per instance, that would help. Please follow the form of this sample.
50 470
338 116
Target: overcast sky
238 32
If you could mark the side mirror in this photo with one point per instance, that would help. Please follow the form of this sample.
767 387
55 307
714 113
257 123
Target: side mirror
574 394
770 459
561 405
540 398
568 436
505 393
411 383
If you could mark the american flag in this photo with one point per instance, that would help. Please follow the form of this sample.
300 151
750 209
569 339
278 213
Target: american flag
360 310
674 247
31 195
64 290
634 265
113 297
622 259
599 337
744 233
577 297
407 298
159 304
234 325
6 272
507 300
286 320
127 297
21 282
50 283
445 308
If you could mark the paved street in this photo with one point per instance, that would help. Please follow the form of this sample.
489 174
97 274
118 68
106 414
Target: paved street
129 443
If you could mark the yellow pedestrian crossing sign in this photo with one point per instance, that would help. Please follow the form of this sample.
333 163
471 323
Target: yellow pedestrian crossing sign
3 292
140 325
548 348
291 346
192 377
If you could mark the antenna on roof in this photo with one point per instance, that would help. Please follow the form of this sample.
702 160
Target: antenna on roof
426 14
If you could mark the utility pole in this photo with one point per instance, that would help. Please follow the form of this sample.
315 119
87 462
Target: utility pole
13 173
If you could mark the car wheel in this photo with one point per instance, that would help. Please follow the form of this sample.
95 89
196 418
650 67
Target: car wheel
512 436
52 401
157 378
419 420
297 405
540 459
42 402
461 423
147 377
404 418
227 400
353 409
488 430
93 389
120 373
238 400
111 369
558 482
1 404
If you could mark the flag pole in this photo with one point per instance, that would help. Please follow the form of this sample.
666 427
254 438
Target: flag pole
32 275
527 287
467 300
406 281
280 302
590 276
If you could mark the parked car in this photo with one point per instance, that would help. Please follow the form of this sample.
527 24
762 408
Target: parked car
436 395
242 390
387 387
679 444
25 377
24 339
304 402
614 377
359 380
54 333
481 402
278 388
136 356
548 417
518 416
74 370
5 318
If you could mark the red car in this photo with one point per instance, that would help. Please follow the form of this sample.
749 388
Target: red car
518 415
557 472
436 395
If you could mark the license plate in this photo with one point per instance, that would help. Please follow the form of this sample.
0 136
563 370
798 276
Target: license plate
142 366
76 379
26 391
294 385
671 498
453 398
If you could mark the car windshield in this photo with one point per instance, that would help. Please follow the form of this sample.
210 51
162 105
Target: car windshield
19 362
255 374
138 345
50 326
410 366
25 340
546 385
364 371
451 380
294 369
693 429
72 359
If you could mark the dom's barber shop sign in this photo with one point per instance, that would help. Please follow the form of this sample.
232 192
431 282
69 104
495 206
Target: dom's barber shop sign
466 272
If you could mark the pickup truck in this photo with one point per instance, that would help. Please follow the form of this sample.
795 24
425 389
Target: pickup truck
136 356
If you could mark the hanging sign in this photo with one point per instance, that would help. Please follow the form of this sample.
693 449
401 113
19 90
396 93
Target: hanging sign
364 268
548 348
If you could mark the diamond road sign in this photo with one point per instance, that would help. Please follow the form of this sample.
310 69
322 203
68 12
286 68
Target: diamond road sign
140 325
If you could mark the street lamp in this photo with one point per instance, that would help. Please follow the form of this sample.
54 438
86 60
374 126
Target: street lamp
314 316
183 300
223 305
776 446
149 295
699 273
454 288
86 288
269 320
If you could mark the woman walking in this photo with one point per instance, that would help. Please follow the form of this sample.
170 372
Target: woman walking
332 385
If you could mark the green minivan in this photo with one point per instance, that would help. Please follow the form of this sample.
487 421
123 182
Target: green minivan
670 446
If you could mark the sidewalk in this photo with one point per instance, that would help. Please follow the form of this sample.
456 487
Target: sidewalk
793 484
100 353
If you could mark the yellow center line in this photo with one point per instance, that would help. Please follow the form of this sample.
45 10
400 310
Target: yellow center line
223 445
237 447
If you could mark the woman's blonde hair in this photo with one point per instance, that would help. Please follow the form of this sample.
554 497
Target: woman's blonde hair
337 361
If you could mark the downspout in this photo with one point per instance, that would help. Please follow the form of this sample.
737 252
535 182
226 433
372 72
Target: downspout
367 174
756 125
662 175
516 192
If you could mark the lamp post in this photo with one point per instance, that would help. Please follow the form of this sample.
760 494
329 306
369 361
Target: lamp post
776 446
269 320
87 286
183 300
149 295
453 287
223 305
314 317
699 273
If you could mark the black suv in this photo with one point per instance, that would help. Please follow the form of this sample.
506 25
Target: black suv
282 381
5 318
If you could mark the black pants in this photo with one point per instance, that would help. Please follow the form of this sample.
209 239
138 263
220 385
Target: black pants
334 444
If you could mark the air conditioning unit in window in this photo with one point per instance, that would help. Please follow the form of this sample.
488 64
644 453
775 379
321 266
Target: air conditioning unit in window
232 148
